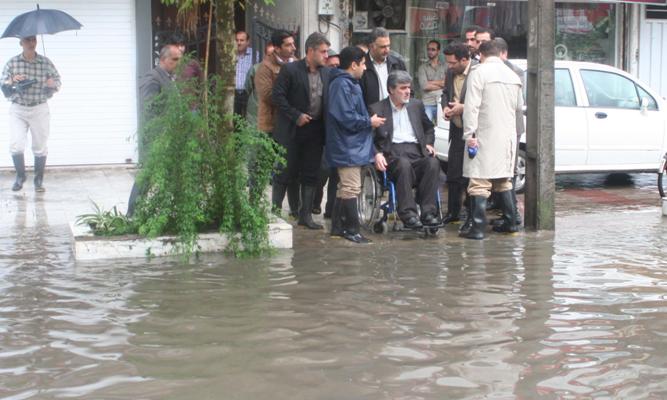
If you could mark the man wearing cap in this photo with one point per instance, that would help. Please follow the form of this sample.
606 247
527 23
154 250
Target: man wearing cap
333 61
29 110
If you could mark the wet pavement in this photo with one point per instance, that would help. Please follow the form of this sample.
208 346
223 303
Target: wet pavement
574 314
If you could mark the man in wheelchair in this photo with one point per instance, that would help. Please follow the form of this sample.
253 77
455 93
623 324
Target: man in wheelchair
404 148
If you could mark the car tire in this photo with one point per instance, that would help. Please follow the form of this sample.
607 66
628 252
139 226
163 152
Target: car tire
520 184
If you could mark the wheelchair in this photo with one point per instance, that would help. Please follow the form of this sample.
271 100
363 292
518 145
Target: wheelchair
374 209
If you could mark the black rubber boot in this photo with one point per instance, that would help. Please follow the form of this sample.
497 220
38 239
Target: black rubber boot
293 199
453 203
468 221
351 231
40 164
478 218
306 210
19 166
509 217
337 218
278 191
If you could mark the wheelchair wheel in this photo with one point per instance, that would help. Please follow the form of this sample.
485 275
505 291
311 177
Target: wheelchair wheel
369 198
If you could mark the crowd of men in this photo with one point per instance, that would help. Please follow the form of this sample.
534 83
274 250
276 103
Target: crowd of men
335 113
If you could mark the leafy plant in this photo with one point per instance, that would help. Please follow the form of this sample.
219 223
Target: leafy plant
106 222
201 175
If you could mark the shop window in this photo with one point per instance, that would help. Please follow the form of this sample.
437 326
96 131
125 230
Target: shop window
656 12
585 32
609 90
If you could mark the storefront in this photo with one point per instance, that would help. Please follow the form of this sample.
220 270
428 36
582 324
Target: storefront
585 31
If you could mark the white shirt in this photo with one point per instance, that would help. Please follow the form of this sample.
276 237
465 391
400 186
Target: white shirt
403 132
383 73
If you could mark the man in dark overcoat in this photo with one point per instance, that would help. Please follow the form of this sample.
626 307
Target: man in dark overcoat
299 95
457 56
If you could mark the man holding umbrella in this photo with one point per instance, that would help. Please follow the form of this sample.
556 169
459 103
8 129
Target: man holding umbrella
29 80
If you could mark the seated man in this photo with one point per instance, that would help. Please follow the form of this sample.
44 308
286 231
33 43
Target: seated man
404 148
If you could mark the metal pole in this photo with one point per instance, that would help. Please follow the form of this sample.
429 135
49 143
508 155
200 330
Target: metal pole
540 182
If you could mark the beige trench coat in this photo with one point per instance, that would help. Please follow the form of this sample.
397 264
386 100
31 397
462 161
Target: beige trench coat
493 111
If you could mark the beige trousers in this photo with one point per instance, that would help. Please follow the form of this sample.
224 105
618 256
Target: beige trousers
349 182
35 119
482 187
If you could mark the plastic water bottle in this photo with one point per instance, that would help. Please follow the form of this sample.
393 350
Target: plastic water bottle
472 151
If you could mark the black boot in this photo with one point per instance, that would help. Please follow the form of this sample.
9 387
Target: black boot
293 199
453 203
351 231
19 166
465 228
40 164
278 191
306 210
509 217
337 218
478 218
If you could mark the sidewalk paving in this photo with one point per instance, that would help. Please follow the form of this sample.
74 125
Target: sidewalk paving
71 191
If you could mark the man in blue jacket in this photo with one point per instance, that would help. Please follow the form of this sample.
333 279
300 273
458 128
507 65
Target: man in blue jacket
349 140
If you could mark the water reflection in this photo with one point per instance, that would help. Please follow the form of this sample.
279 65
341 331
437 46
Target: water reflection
559 316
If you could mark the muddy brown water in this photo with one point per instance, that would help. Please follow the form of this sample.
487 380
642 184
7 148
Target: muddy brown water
578 314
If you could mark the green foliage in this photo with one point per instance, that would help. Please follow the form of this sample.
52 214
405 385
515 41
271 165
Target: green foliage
106 222
200 174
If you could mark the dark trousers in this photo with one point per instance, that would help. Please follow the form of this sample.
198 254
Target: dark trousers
240 102
409 168
304 154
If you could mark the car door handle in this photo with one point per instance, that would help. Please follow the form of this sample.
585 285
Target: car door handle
600 115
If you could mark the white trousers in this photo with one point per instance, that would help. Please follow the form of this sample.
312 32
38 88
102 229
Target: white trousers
36 119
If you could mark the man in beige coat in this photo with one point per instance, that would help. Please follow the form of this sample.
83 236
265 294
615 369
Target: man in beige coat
492 117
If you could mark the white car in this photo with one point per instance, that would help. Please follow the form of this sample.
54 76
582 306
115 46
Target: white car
605 120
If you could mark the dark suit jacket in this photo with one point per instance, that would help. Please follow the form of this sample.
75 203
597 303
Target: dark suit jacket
448 92
291 98
421 125
370 85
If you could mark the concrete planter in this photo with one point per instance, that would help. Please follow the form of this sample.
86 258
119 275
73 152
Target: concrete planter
87 246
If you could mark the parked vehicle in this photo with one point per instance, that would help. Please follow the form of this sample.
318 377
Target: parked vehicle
605 120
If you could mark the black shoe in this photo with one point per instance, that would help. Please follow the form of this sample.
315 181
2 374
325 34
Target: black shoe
450 219
430 220
305 213
356 238
19 165
40 164
412 223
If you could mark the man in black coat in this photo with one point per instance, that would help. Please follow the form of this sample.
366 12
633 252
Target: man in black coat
379 64
404 148
299 95
457 56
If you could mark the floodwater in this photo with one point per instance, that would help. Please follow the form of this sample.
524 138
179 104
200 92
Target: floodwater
578 314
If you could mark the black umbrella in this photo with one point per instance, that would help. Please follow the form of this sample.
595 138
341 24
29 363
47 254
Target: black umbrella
39 22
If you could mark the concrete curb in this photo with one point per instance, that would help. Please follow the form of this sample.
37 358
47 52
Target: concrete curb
87 246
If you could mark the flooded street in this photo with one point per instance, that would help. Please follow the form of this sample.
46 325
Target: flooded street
576 314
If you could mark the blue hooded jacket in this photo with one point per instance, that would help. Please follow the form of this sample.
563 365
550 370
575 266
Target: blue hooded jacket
349 138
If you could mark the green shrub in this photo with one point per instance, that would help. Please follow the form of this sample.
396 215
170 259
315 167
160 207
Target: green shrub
204 171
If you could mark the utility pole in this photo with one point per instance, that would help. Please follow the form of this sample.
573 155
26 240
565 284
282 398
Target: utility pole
540 148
